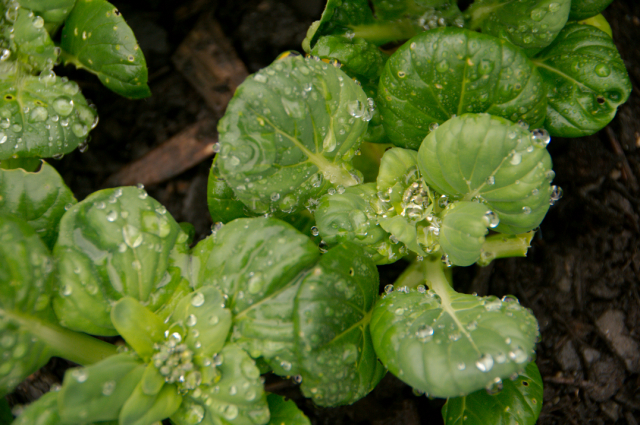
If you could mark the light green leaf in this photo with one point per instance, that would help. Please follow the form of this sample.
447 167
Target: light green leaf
452 71
41 116
96 37
138 326
146 409
40 198
285 412
489 159
44 411
586 80
462 233
583 9
519 401
54 12
116 242
289 134
333 310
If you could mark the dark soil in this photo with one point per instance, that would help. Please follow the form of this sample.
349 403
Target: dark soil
581 274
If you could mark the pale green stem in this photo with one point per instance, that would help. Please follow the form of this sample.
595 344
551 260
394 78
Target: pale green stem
502 246
420 272
383 33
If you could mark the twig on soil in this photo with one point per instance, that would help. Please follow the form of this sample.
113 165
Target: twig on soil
627 173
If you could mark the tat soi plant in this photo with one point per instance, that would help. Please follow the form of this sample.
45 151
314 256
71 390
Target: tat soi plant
43 115
411 130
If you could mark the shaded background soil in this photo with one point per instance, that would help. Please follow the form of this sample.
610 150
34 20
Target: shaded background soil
581 274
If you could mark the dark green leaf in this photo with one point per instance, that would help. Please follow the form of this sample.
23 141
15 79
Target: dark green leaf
96 37
583 9
285 412
5 412
586 80
116 242
41 116
489 159
359 58
519 401
289 134
333 310
529 24
40 198
452 71
54 12
223 204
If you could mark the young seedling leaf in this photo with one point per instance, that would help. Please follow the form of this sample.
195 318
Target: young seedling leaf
44 116
448 344
586 80
255 262
462 233
489 159
97 38
147 409
332 313
54 12
509 401
452 71
285 412
583 9
529 24
359 58
116 242
44 411
289 134
25 289
40 198
223 204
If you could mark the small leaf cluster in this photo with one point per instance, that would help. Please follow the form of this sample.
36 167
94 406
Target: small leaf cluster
43 115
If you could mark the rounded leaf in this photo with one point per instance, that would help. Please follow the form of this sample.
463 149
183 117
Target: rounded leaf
284 411
357 56
223 204
452 71
462 232
454 344
29 41
583 9
489 159
116 242
586 80
54 12
290 132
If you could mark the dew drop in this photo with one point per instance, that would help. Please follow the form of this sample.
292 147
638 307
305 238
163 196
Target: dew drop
192 320
80 375
485 363
424 331
490 219
108 388
540 137
494 386
526 210
197 300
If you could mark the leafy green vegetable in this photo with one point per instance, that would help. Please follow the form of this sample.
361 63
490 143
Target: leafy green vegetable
449 344
44 411
586 80
450 71
333 310
489 159
285 412
289 134
512 401
116 242
583 9
359 57
96 37
5 412
462 233
40 198
54 12
529 24
223 204
41 116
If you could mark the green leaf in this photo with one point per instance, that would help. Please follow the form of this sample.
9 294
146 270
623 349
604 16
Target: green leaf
448 344
54 12
452 71
529 24
255 262
5 412
237 398
358 57
462 233
333 311
599 22
587 81
40 198
223 204
289 134
43 411
145 409
25 288
96 37
41 116
137 325
116 242
489 159
583 9
285 412
28 40
519 401
98 392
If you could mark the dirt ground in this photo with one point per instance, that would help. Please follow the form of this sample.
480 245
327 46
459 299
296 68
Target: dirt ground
581 274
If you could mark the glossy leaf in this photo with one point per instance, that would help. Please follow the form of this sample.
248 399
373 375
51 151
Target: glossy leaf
28 40
148 409
289 133
462 233
44 411
448 344
255 262
138 326
97 38
358 57
519 401
333 310
489 159
54 12
116 242
452 71
599 22
583 9
40 198
587 81
223 204
285 412
57 120
529 24
23 259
